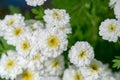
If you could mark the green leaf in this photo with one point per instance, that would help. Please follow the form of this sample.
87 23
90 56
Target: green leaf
116 62
39 13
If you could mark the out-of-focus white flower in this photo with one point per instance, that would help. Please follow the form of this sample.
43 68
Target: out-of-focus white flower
9 66
34 25
73 74
81 54
117 10
54 66
35 2
52 42
110 30
56 17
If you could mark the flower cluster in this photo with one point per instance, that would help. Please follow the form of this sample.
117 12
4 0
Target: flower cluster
38 46
110 28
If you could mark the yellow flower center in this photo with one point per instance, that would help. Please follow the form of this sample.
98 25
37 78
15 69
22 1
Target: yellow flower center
82 54
36 57
17 31
53 41
78 76
62 28
56 64
10 64
57 15
112 27
25 45
27 75
94 67
11 22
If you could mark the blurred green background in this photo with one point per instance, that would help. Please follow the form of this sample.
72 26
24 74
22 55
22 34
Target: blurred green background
86 16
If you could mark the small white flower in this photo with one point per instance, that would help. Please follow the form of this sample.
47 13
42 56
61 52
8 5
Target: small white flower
9 66
81 54
93 71
110 30
12 20
28 74
117 10
35 2
13 34
25 44
52 42
73 74
56 17
54 66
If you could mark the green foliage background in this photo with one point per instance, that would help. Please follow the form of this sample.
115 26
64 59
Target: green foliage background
86 16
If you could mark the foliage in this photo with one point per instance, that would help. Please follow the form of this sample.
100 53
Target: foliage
116 62
4 47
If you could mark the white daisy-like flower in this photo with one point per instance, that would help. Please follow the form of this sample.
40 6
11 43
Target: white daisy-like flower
25 44
35 2
13 34
56 17
50 78
64 28
81 54
12 20
110 30
52 42
28 74
117 10
94 70
9 66
54 66
73 74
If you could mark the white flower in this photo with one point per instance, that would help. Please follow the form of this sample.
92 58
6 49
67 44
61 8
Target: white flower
110 30
9 66
35 2
73 74
93 71
25 44
54 66
52 42
28 74
81 54
117 10
13 34
12 20
56 17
